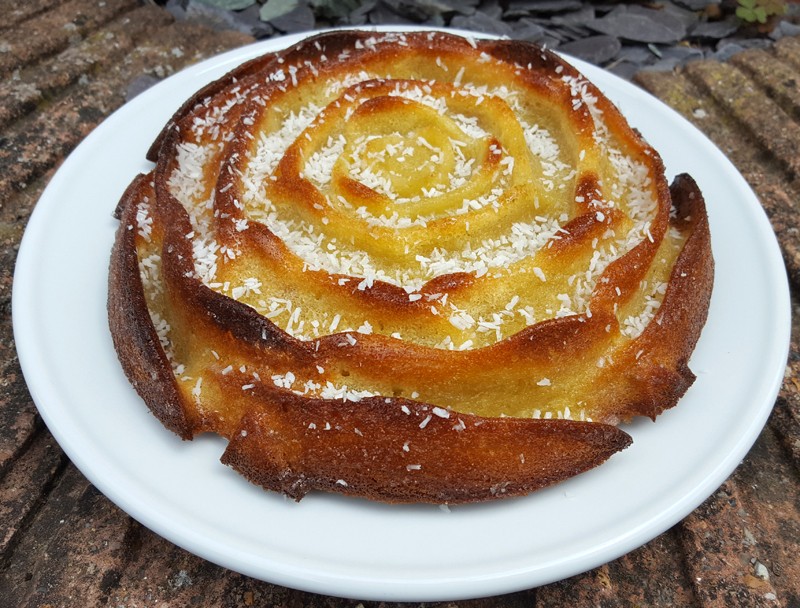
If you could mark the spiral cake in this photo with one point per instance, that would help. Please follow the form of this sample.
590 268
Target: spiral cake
407 267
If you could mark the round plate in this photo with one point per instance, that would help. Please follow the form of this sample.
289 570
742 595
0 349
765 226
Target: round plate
355 548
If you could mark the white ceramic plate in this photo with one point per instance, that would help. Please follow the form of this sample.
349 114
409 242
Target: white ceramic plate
353 548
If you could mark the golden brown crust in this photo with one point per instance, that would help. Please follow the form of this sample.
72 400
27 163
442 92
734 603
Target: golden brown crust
405 451
556 277
244 72
661 373
135 339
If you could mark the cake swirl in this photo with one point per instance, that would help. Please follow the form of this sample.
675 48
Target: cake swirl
408 267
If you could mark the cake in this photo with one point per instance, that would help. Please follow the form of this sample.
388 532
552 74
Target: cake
408 267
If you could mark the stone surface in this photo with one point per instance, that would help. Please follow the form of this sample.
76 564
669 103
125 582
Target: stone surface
301 19
696 5
709 27
480 22
715 29
518 8
54 30
64 544
594 49
640 24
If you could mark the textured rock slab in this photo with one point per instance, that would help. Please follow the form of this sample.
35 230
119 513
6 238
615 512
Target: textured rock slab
595 49
20 95
640 24
716 29
55 30
517 8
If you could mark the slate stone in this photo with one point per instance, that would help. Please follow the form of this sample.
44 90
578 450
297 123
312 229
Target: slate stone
464 7
481 22
360 15
727 51
176 9
663 65
552 32
594 49
745 43
213 17
623 37
523 8
258 29
573 32
624 69
245 21
575 18
715 29
564 30
383 15
526 29
671 57
636 54
423 10
728 47
492 9
697 5
687 17
785 28
435 21
301 19
682 53
640 24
